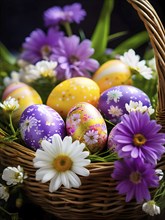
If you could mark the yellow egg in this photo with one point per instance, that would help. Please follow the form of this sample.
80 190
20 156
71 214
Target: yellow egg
71 91
112 73
26 96
85 123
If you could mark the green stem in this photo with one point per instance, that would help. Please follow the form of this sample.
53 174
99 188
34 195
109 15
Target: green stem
11 124
67 28
13 215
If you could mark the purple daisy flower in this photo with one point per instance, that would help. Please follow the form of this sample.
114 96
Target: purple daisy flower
135 178
38 45
69 13
138 136
73 58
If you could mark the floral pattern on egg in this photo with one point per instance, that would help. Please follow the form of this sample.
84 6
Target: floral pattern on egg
112 101
40 122
85 123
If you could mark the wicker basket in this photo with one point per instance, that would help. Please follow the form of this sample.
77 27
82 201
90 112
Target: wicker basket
97 197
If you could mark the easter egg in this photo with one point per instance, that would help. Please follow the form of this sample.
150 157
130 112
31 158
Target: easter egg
85 123
110 143
40 122
112 101
24 94
112 73
70 92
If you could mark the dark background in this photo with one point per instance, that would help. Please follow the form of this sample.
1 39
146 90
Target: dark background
18 18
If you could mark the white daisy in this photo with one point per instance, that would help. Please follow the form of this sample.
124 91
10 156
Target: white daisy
14 77
4 192
13 175
115 111
41 69
138 106
10 104
133 61
114 95
60 162
160 173
91 137
152 64
151 208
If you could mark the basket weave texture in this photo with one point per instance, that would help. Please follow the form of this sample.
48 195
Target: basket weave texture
97 197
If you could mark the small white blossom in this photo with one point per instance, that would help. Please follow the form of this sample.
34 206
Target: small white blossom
138 106
151 208
133 61
160 173
152 64
60 162
4 192
14 77
41 69
10 104
13 175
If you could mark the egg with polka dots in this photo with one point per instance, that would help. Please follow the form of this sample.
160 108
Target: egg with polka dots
70 92
40 122
112 102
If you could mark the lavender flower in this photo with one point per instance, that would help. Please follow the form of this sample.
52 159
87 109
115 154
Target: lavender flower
39 45
69 13
134 179
138 136
73 58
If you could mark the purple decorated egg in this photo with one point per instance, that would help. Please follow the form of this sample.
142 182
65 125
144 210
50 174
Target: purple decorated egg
40 122
112 102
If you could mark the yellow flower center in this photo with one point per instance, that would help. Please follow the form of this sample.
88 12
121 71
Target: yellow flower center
62 163
45 51
139 140
73 59
47 73
135 177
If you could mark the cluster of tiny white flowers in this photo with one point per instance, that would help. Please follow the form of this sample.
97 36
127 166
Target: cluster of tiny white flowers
10 104
138 106
134 63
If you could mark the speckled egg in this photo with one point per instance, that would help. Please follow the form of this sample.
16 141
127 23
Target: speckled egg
85 123
112 101
112 73
26 96
39 122
70 92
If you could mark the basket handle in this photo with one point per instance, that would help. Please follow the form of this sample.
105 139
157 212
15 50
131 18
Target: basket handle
156 33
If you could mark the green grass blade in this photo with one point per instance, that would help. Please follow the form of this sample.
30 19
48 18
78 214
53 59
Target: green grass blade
100 36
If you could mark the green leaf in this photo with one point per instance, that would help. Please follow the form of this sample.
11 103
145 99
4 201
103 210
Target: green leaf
116 35
6 56
132 43
100 35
